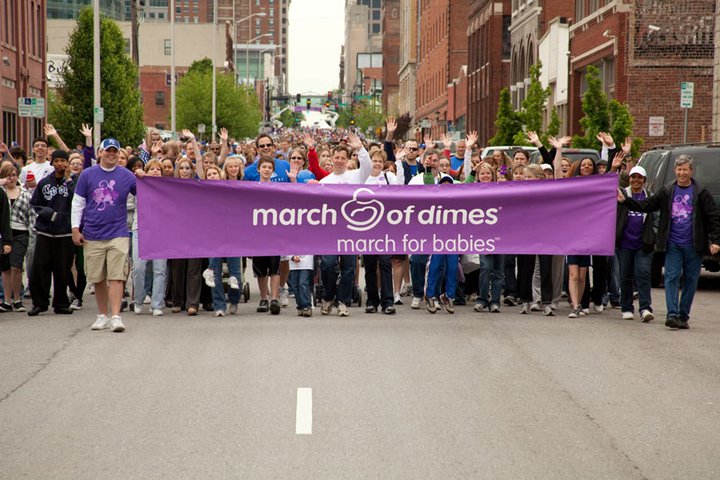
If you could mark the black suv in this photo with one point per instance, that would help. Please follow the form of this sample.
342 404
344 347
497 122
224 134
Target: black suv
659 165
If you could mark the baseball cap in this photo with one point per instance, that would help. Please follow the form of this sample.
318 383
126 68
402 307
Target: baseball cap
110 143
639 170
546 166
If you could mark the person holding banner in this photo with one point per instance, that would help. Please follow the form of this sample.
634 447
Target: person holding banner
267 266
100 205
332 292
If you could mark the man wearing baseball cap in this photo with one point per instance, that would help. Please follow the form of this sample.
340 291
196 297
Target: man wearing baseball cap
635 243
100 205
688 229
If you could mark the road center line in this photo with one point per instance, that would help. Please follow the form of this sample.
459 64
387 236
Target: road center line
303 413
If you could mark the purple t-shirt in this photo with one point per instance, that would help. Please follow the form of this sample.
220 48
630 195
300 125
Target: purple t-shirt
681 217
632 236
105 193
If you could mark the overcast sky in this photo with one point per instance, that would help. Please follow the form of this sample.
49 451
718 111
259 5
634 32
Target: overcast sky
317 31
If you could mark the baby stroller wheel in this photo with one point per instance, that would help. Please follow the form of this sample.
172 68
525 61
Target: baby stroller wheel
246 292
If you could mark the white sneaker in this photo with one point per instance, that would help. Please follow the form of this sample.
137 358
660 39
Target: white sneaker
219 313
525 308
147 300
647 316
101 323
284 300
342 310
406 290
397 300
116 324
596 308
233 282
137 309
416 301
76 304
157 312
535 307
585 311
233 308
627 315
209 277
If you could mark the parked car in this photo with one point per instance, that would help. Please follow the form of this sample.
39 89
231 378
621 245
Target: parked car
509 149
572 154
659 165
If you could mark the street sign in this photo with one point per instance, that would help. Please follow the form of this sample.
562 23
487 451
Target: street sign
656 126
687 92
31 107
425 123
201 128
98 115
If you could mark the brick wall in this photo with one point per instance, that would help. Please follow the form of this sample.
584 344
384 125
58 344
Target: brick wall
391 54
153 80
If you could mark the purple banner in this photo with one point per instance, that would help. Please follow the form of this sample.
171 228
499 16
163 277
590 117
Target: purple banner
202 218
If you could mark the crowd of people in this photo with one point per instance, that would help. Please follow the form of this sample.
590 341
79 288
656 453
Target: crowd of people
68 219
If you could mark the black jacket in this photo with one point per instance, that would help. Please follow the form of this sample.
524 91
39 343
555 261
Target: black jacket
5 213
706 216
648 236
52 201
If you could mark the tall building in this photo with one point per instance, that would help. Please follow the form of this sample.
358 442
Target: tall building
390 55
408 56
69 9
363 39
441 56
22 69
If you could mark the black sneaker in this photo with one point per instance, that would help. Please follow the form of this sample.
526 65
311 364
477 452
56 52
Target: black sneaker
672 322
263 306
18 307
35 311
274 306
389 310
5 307
371 309
63 311
682 324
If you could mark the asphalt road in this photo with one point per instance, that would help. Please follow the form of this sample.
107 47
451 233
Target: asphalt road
416 395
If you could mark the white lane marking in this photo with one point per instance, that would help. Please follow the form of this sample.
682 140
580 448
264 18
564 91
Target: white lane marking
303 413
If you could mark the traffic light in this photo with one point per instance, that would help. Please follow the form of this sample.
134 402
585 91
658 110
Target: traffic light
308 103
352 122
329 98
327 104
297 98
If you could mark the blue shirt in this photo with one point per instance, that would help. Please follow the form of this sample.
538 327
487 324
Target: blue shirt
681 216
456 162
279 175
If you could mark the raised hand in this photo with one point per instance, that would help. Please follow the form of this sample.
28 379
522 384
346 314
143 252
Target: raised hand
86 130
471 139
533 138
627 146
617 161
402 153
189 135
223 135
3 148
50 130
427 139
156 148
446 139
308 140
557 143
354 141
293 172
391 124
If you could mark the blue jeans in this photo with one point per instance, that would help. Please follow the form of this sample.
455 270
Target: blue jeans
300 282
341 292
138 277
685 261
495 265
418 266
218 293
634 267
612 296
442 266
511 289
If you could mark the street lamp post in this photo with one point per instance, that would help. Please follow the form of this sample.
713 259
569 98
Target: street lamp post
258 14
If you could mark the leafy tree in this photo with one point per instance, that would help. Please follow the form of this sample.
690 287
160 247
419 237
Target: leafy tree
345 116
622 126
403 125
120 96
368 116
553 129
507 121
238 108
291 118
533 107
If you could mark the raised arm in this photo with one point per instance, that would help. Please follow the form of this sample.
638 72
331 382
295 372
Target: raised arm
224 146
50 132
88 151
470 141
193 141
364 158
313 161
557 144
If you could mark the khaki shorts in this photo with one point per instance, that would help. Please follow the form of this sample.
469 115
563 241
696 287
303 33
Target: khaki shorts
107 259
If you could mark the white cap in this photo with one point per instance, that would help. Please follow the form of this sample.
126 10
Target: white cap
546 166
639 170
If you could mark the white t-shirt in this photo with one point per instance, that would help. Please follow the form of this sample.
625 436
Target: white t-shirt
40 170
385 178
306 263
353 176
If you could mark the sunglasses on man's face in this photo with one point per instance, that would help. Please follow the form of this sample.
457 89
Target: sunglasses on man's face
413 149
265 145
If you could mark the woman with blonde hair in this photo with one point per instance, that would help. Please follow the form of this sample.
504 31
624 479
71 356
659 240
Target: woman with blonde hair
21 221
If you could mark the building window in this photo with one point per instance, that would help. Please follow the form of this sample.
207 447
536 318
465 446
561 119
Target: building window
376 28
9 127
168 46
160 98
579 10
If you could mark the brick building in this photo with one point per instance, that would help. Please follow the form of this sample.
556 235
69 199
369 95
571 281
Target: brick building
670 43
391 55
488 69
408 57
442 52
22 68
458 102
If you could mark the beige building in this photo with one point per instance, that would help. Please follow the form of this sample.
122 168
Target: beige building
360 38
408 56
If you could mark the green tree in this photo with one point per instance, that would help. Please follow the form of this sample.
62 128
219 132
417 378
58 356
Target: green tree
345 116
507 121
291 118
368 116
622 126
120 96
553 129
533 107
238 108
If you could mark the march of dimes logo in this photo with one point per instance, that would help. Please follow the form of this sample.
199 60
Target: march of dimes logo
363 212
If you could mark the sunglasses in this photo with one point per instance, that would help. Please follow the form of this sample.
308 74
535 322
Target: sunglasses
413 149
297 158
265 145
